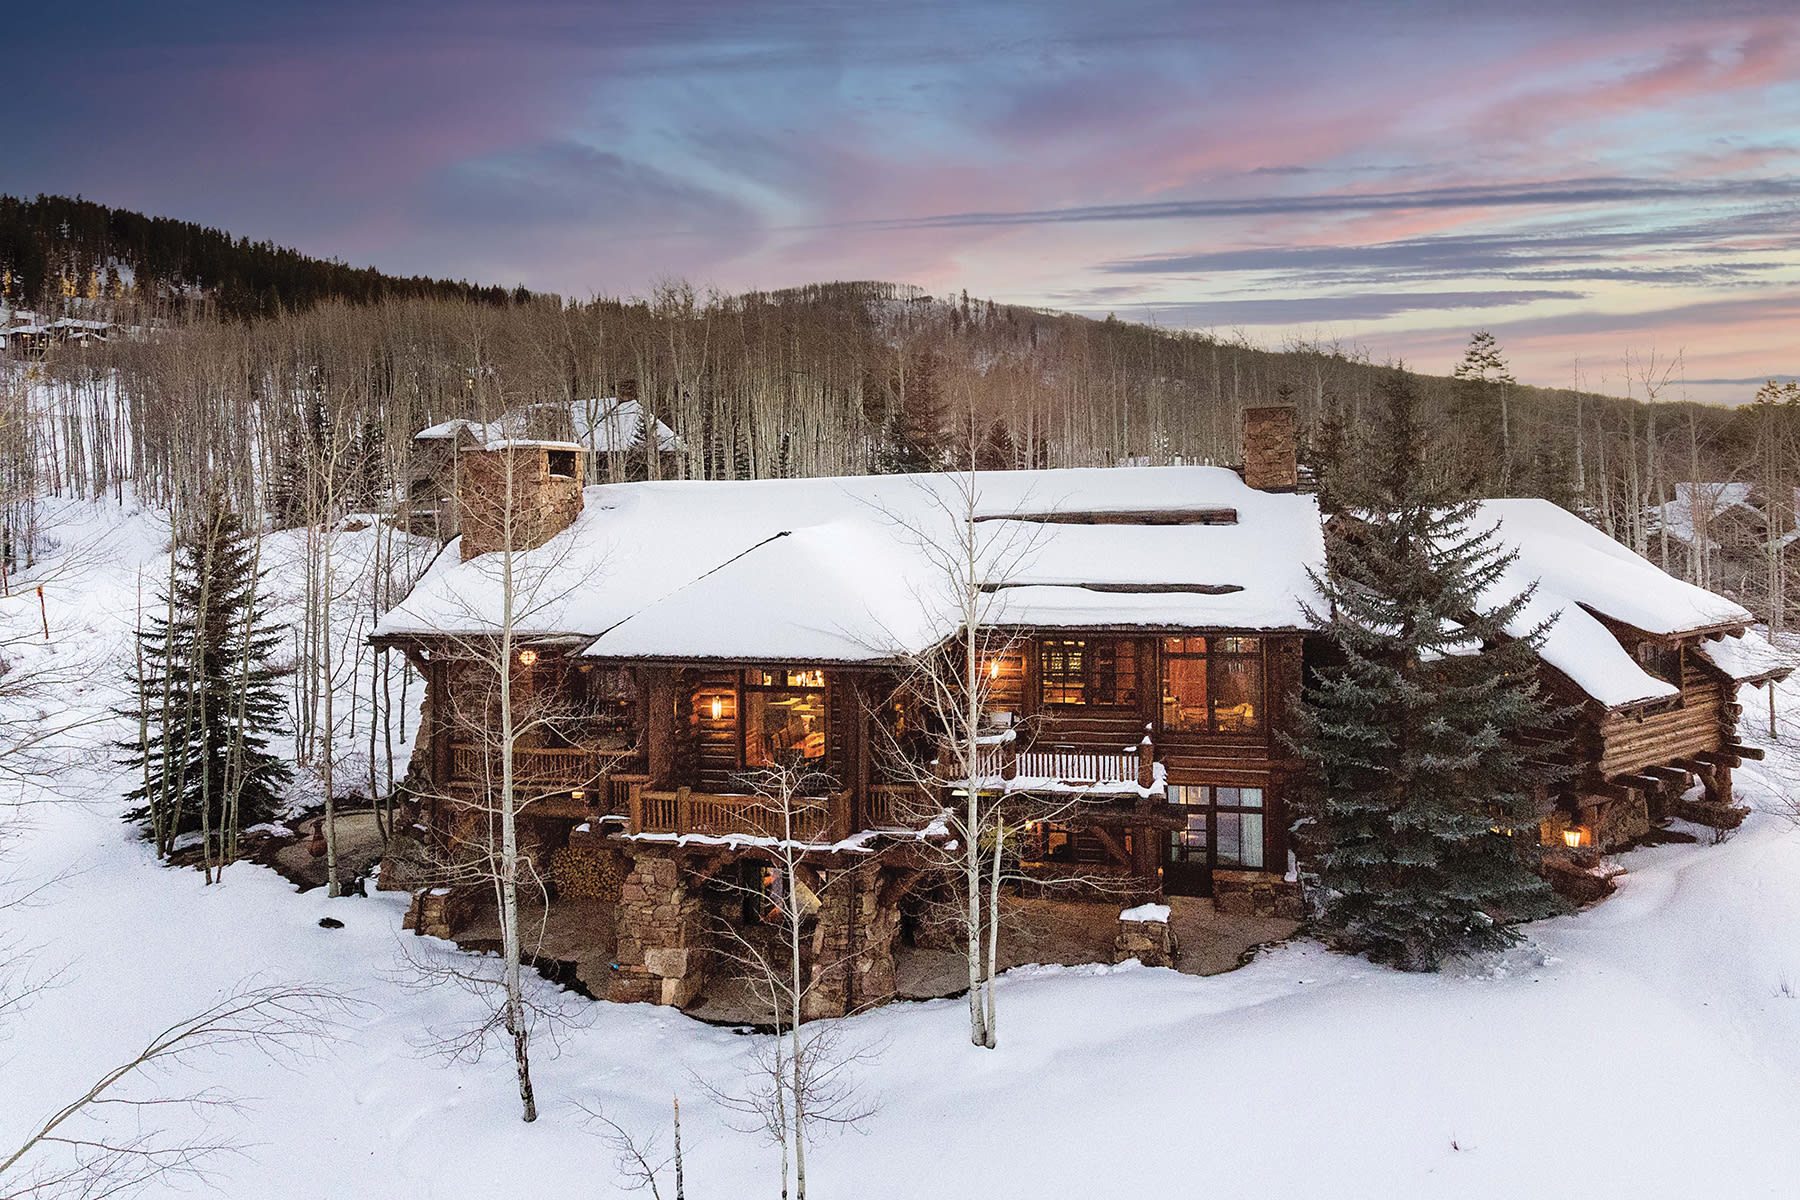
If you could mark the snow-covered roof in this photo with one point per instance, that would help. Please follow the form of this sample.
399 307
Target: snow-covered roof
1748 658
1700 504
844 569
850 569
605 426
1582 574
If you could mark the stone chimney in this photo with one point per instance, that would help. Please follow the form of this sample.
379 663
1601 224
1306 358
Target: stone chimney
1271 449
546 491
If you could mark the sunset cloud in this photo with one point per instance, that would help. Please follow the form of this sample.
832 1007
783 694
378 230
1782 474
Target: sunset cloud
1582 177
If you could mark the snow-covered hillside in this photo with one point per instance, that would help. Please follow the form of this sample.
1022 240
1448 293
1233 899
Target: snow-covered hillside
1648 1047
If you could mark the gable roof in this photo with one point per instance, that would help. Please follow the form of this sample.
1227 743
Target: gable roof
1581 575
845 570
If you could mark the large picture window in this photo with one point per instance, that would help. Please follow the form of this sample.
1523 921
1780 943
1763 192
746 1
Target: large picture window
1212 685
1224 827
784 717
1093 671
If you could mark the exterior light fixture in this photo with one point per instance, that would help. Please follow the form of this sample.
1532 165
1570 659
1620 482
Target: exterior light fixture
577 794
527 657
994 669
1572 837
718 707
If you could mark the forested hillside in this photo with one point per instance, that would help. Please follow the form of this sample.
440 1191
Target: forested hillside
826 379
55 249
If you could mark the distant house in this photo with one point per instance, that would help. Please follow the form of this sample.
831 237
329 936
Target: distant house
34 337
1155 641
609 432
1719 536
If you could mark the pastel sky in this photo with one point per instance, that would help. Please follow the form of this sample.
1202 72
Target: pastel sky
1584 177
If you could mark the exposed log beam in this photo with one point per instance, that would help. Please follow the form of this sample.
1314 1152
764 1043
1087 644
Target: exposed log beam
1754 753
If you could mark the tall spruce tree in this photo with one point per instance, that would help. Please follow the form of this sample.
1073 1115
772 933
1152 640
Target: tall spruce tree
207 692
1422 729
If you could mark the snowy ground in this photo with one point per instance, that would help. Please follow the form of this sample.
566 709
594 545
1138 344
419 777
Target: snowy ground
1649 1047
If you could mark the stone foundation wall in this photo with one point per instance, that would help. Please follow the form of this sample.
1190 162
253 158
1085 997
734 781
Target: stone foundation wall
663 946
1256 894
1622 821
852 945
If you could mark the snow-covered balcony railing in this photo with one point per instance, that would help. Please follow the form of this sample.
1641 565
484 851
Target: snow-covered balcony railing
1002 765
684 812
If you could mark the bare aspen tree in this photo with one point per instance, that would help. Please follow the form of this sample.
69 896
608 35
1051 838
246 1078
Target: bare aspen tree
801 1079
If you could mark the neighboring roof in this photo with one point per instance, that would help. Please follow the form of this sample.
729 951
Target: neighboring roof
1703 503
839 569
1581 573
604 426
1748 658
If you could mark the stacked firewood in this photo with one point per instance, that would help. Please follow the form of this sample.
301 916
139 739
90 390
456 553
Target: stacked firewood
587 873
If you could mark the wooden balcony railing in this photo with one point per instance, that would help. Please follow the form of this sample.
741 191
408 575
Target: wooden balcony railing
897 806
1067 764
537 766
684 811
1073 765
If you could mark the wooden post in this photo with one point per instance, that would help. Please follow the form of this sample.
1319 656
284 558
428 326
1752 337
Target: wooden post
45 613
1773 736
661 724
1009 758
634 806
1146 761
684 810
841 816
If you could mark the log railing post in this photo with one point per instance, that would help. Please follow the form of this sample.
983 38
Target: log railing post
634 806
839 814
684 810
1146 764
1009 759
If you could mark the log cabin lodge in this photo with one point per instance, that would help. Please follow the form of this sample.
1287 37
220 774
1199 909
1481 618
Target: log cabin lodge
1147 632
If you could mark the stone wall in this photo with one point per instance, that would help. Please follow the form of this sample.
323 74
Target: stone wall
1271 449
1152 943
438 912
1256 894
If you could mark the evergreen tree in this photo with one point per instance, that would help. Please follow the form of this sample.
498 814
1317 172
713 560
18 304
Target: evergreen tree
913 434
207 692
1418 731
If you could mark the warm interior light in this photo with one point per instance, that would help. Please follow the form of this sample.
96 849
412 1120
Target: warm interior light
527 657
718 707
577 794
994 669
1572 838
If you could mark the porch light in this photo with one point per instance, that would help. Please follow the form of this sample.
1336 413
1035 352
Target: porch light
994 669
1572 837
718 707
527 657
577 794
